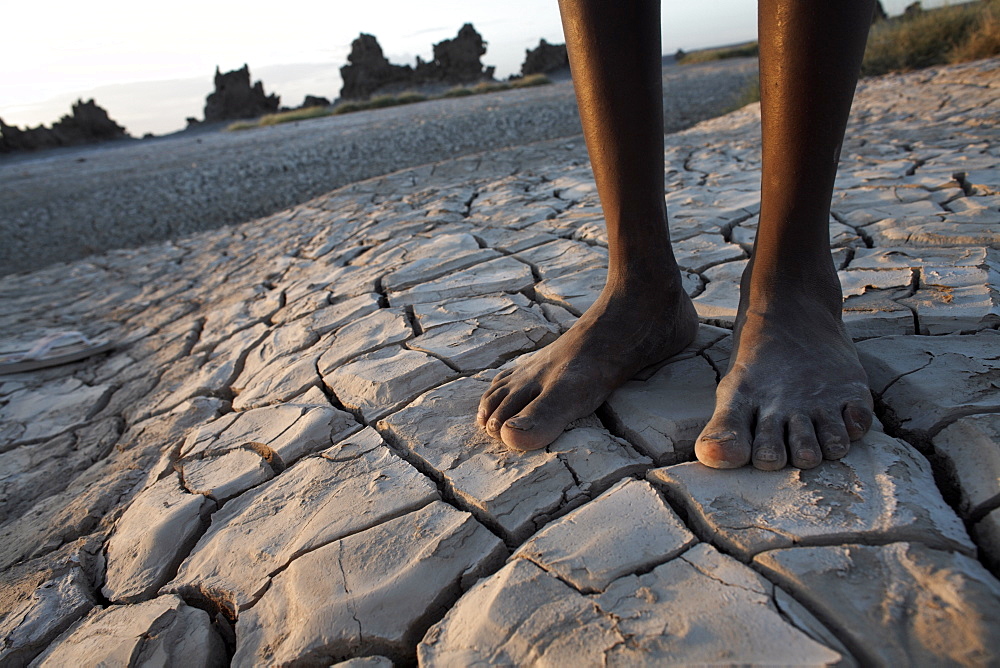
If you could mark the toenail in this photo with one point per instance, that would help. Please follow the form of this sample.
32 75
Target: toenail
806 455
481 415
518 423
721 436
493 425
766 456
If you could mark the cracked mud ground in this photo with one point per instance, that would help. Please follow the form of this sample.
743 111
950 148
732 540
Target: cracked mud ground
278 464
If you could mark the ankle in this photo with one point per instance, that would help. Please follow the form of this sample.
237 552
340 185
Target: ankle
788 289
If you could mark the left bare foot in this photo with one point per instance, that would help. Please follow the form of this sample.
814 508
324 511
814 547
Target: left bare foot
795 390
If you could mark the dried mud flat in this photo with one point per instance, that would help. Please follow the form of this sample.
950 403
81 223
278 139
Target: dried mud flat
278 463
64 205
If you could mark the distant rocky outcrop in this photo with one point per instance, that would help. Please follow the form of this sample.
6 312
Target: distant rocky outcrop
235 98
545 58
315 101
368 70
88 124
456 61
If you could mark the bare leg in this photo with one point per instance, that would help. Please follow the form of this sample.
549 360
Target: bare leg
642 315
795 390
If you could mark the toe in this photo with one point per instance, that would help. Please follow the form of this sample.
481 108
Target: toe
769 453
858 419
803 447
540 423
831 432
510 406
489 402
725 443
502 376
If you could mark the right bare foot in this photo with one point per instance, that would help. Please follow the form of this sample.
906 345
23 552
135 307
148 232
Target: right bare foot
624 331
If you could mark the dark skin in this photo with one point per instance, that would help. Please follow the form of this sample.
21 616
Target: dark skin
795 391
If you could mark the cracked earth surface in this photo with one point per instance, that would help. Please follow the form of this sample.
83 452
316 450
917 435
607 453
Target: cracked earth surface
278 464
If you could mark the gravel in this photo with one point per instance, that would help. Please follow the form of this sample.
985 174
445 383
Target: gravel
66 204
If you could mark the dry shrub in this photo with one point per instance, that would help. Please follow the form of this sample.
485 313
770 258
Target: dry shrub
934 37
706 55
984 41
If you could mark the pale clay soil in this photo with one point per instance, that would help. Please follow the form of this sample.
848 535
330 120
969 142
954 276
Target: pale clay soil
279 465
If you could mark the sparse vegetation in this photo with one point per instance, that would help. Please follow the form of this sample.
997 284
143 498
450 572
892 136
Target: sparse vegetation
706 55
749 94
382 101
923 38
294 115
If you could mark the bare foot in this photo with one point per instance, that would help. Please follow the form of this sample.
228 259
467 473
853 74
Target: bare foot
795 390
624 331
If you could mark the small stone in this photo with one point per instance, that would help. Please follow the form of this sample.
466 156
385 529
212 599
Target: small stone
152 537
380 382
882 490
163 632
663 415
900 604
626 529
375 591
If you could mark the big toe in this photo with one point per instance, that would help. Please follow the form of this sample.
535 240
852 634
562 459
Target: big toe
538 424
858 418
725 443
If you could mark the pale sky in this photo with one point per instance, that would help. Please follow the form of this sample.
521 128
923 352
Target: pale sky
54 52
